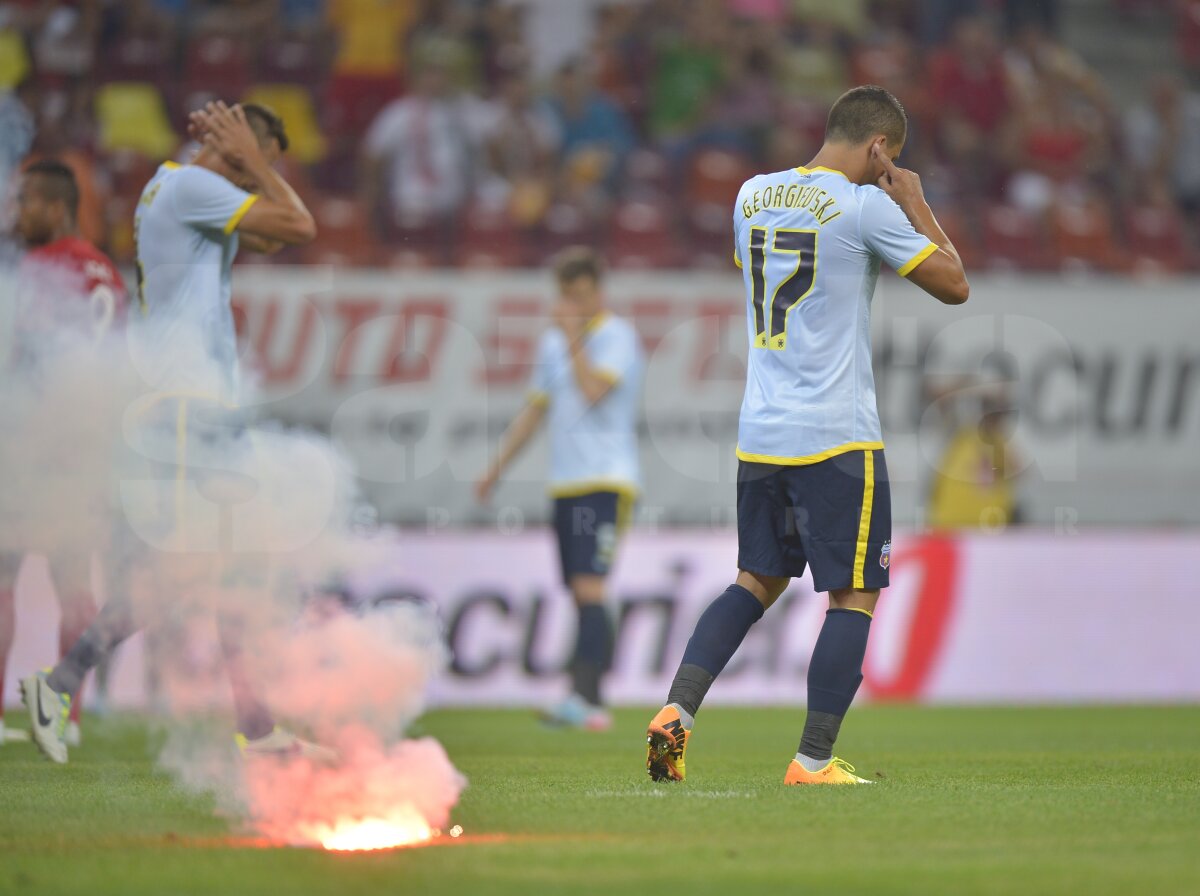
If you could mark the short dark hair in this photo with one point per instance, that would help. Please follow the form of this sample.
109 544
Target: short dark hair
265 123
862 112
578 261
57 182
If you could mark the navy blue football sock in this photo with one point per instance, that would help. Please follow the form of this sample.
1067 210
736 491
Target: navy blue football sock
834 674
719 633
593 652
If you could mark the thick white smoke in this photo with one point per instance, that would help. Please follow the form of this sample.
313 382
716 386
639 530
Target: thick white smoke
198 513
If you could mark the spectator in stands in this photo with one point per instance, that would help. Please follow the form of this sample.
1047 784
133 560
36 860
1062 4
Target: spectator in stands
236 18
420 152
64 39
688 74
1162 139
369 60
447 33
1056 146
596 135
812 68
969 88
851 18
975 483
520 144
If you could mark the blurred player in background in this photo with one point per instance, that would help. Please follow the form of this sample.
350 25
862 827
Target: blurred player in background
976 481
587 378
812 484
63 281
188 225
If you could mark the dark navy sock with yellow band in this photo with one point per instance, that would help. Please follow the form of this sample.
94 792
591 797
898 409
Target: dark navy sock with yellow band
834 674
719 632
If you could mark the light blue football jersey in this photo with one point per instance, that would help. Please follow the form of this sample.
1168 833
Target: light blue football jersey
809 244
184 338
593 447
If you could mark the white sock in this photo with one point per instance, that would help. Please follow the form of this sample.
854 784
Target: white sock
684 716
810 764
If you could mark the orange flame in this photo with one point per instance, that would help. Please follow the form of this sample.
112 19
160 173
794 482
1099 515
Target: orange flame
404 827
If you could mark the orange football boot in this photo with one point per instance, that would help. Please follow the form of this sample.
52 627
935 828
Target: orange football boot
666 743
839 771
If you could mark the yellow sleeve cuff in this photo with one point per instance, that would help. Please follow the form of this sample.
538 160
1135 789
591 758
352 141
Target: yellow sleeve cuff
906 269
540 399
236 218
737 260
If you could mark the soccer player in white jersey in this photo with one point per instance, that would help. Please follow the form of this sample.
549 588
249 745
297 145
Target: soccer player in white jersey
812 485
189 224
587 379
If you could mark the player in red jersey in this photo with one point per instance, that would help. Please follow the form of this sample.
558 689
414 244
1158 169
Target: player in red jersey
63 280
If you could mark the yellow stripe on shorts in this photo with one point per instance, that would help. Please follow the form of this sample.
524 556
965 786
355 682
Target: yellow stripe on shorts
864 520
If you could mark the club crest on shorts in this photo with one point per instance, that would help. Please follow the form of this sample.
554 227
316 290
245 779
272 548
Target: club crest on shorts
885 555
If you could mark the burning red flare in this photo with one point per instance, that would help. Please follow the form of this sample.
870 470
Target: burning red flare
404 827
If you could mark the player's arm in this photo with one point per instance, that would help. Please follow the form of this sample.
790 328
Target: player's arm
513 442
594 381
276 216
941 272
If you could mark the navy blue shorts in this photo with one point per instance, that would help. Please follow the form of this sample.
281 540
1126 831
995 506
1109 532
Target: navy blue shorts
834 516
588 528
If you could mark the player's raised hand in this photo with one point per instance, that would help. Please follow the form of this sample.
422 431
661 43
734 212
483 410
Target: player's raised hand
226 130
902 185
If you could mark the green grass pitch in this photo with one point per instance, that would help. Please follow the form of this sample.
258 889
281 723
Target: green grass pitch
969 801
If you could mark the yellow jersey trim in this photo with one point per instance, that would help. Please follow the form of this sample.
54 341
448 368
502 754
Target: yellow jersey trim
170 166
808 458
609 376
866 613
626 490
864 520
236 219
541 399
737 260
803 170
597 321
912 263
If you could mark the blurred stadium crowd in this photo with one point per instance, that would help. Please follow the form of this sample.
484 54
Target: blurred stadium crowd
490 133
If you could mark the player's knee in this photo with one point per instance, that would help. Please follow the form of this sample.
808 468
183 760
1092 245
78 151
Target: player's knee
588 589
853 599
765 588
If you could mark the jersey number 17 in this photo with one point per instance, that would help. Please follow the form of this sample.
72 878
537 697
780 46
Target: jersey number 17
770 320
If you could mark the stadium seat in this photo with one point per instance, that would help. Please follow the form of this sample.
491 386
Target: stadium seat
139 57
715 176
1083 236
641 237
216 64
14 59
294 105
129 172
1014 239
565 225
131 116
343 234
292 60
1158 239
646 173
488 238
1189 32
